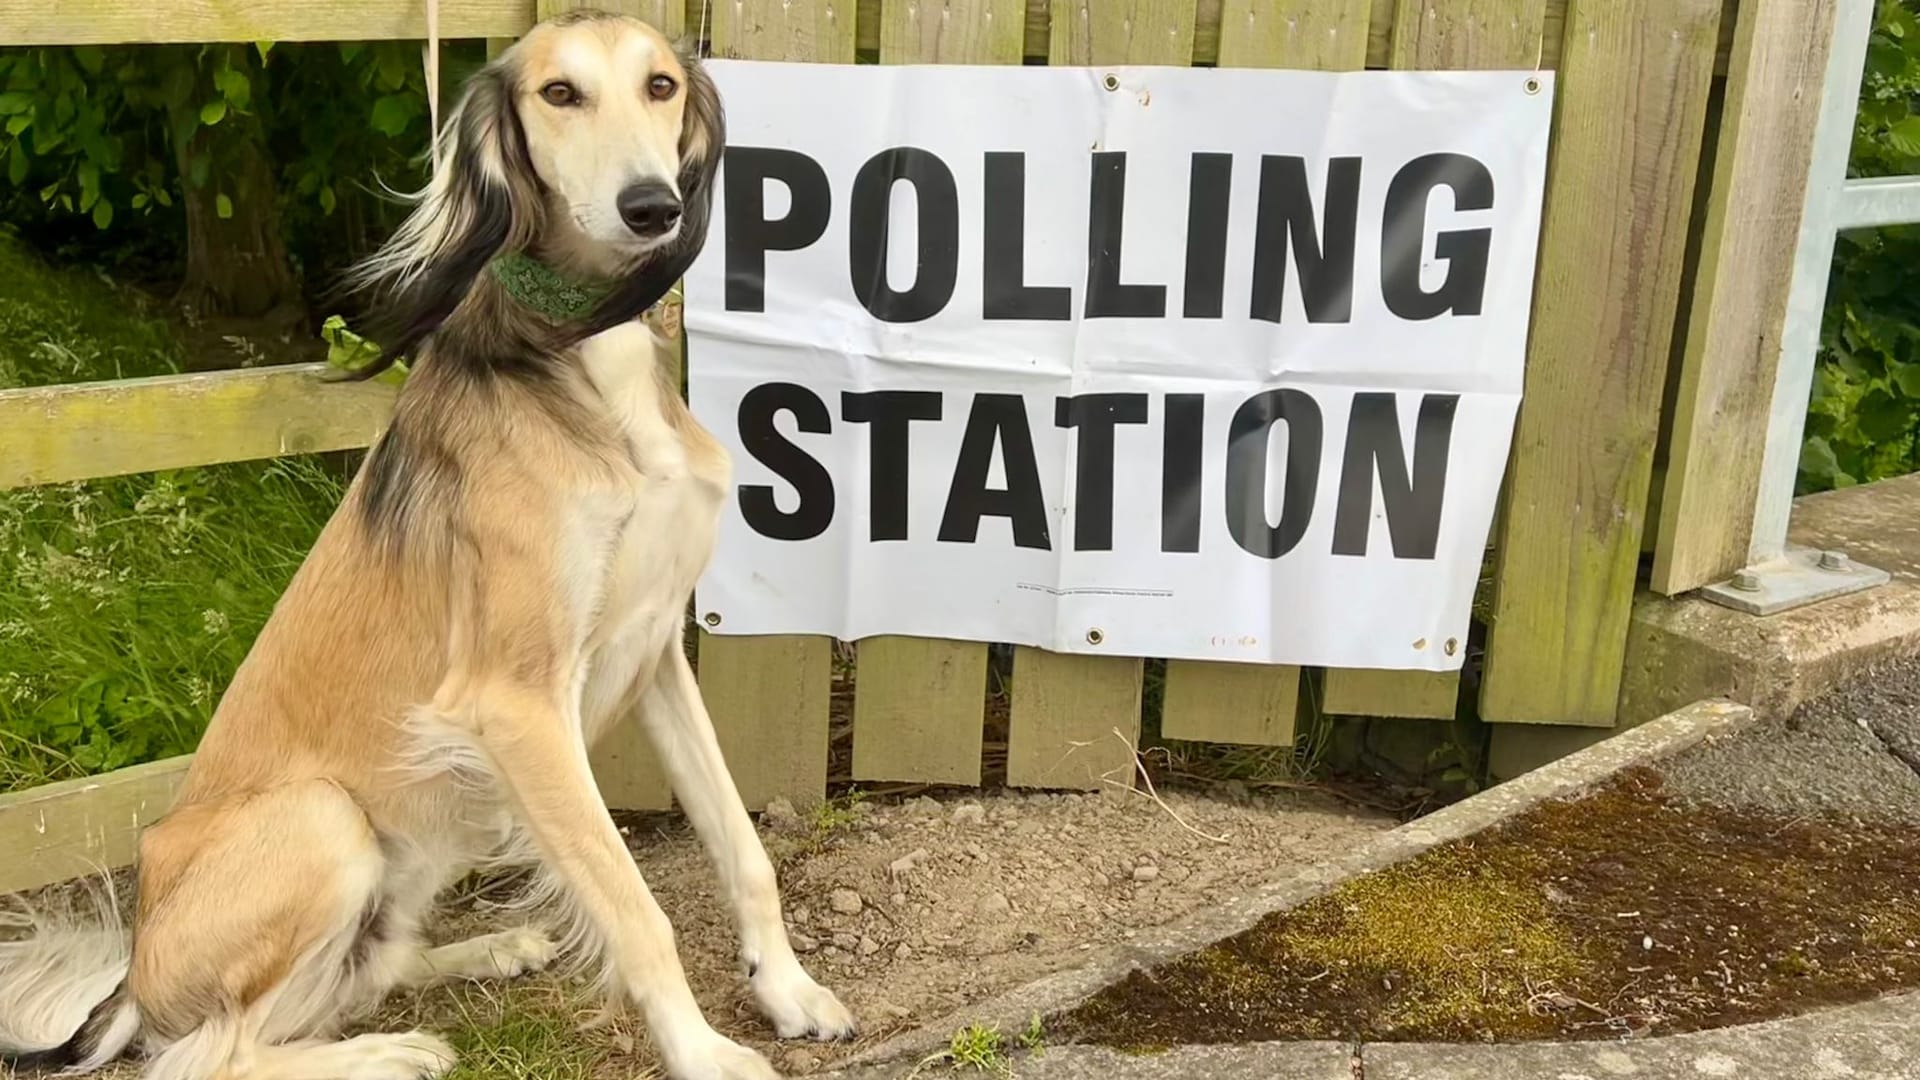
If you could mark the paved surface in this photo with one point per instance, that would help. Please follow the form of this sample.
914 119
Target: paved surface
1851 753
1876 1041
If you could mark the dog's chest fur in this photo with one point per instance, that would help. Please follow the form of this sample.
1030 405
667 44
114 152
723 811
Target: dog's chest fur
662 542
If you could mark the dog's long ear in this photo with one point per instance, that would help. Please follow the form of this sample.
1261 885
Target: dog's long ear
484 198
703 142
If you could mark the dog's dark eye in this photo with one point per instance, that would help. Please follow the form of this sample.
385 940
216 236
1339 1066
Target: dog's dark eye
662 87
560 93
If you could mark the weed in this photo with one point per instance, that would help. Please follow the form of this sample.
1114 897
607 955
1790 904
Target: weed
980 1048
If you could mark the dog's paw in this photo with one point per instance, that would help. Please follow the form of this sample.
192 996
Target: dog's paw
520 952
415 1055
720 1058
800 1007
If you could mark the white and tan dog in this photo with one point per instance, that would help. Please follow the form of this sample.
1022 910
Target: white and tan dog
507 578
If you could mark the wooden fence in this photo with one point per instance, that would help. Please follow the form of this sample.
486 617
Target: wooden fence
1682 129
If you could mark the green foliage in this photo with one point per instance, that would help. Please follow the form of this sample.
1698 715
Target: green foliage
1863 422
126 604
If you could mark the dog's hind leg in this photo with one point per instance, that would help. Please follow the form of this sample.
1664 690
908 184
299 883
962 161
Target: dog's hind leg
677 724
259 917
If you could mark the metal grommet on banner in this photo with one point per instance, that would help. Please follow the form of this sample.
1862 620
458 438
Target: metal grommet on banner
1095 637
1533 84
1111 82
1453 645
712 618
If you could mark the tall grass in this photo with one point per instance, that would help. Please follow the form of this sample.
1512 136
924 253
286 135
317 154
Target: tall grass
126 604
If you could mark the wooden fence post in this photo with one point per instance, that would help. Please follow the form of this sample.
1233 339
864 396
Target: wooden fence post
1632 104
1725 399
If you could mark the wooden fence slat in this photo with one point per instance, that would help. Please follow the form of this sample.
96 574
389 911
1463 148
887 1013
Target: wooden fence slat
1725 394
77 828
919 703
1065 708
1257 703
667 16
112 22
1632 89
769 696
54 434
1443 35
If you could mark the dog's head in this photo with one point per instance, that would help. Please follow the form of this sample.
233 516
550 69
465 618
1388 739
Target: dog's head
591 141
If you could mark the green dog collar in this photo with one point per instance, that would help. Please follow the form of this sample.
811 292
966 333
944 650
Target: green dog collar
545 290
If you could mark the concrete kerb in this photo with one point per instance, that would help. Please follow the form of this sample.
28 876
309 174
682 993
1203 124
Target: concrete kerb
1011 1011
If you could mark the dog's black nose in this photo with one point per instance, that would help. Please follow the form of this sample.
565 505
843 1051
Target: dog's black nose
650 208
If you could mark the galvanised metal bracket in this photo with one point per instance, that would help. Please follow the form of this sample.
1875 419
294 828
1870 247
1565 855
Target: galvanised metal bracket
1800 577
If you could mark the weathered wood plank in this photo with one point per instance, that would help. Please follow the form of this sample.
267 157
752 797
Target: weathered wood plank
919 710
919 703
769 695
78 828
1256 703
1633 88
1065 708
109 22
1427 35
1752 230
668 16
1064 712
54 434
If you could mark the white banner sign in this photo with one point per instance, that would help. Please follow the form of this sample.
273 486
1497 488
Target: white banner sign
1215 364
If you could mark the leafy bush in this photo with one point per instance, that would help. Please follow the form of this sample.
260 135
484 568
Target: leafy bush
1863 422
126 604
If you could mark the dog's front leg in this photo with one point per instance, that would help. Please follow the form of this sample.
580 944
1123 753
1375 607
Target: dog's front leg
534 743
676 722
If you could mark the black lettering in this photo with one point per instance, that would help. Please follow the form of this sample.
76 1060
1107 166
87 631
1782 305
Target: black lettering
890 412
1180 476
1106 296
996 419
1323 252
937 204
1208 187
1096 415
1465 251
1247 447
750 235
1004 287
795 466
1412 507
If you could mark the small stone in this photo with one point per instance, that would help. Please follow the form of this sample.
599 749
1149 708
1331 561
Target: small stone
899 899
969 814
904 952
979 854
1146 872
844 940
891 1011
923 805
995 904
780 816
797 1062
845 902
802 916
803 943
907 863
868 946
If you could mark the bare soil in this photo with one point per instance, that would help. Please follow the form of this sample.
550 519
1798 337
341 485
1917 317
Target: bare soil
909 909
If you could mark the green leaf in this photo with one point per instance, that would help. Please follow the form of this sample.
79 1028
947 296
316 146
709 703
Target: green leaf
17 165
327 199
1817 462
392 113
1904 136
18 124
263 48
223 206
1883 417
90 58
139 201
163 197
234 86
1907 378
102 214
213 112
15 101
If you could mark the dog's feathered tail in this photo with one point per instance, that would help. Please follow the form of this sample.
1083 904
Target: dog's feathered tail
64 1001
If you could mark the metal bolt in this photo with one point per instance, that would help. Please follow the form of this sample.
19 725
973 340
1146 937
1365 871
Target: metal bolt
1746 581
713 618
1835 560
1095 637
